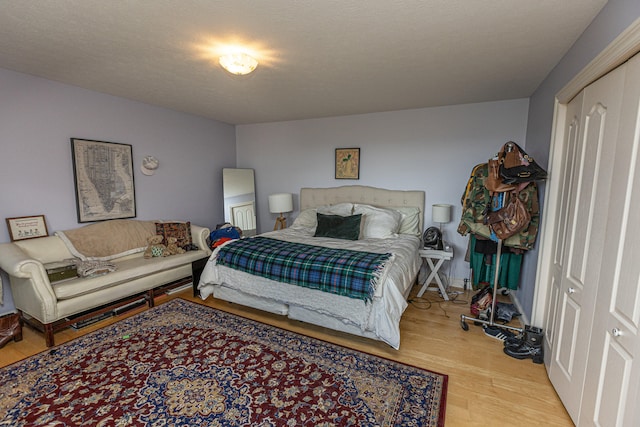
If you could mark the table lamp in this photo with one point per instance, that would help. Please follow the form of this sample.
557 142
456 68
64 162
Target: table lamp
441 213
280 203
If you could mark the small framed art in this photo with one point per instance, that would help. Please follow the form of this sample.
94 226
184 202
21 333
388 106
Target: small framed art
347 163
103 173
27 227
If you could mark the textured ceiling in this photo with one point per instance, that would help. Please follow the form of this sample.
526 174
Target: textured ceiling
317 58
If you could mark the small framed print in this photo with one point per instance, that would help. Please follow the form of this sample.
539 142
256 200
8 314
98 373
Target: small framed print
27 227
347 163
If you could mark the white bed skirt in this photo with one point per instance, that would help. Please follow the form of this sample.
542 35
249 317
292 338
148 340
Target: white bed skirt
295 312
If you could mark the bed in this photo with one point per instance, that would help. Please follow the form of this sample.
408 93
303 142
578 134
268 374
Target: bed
389 230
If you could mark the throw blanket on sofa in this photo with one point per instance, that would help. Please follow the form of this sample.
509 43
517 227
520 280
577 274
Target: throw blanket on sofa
344 272
109 239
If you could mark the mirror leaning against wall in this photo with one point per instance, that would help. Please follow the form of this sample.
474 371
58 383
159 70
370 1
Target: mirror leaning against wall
240 199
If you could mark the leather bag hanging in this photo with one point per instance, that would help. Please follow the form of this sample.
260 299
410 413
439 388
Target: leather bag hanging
494 182
516 166
510 219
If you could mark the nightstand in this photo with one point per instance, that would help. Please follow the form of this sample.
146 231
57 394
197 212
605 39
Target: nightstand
196 269
439 257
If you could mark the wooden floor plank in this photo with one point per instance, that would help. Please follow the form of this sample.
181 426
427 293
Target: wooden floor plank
486 387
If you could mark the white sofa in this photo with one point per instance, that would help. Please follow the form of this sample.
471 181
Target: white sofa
48 307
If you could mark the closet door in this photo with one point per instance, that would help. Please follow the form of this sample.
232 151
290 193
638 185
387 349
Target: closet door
570 144
611 387
582 255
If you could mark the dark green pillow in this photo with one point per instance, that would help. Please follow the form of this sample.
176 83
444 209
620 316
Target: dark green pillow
339 227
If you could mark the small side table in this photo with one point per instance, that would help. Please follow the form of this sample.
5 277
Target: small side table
196 269
431 255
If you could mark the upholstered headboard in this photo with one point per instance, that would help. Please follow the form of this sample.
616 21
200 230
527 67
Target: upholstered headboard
380 197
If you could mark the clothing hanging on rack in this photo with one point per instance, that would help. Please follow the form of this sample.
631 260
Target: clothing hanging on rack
475 200
516 222
483 261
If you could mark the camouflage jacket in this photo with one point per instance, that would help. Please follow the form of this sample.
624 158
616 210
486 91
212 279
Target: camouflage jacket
475 200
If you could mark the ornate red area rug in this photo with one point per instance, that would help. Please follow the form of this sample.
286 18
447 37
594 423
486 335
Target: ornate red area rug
185 364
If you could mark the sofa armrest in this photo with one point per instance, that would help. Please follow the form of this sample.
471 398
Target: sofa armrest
16 262
30 284
199 236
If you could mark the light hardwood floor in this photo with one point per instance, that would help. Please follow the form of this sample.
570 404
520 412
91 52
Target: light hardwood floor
486 387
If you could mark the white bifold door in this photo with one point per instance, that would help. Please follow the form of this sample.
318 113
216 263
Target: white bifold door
593 309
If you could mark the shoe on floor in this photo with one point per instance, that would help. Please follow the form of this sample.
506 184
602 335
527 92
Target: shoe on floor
531 346
498 333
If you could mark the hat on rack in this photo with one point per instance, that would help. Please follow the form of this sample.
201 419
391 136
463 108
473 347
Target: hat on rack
517 167
494 181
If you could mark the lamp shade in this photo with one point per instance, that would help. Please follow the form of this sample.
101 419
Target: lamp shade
280 203
441 213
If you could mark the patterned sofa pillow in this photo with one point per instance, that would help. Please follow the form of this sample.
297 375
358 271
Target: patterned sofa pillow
179 230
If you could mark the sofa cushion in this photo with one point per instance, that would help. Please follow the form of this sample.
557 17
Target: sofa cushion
128 269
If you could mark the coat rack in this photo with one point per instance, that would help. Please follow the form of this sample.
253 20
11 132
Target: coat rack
513 167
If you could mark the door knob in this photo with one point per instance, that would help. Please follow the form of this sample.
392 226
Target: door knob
571 290
616 332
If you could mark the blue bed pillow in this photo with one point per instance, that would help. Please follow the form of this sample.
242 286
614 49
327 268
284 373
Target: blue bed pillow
338 227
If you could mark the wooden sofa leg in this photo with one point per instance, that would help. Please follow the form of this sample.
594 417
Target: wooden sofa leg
151 298
46 328
48 334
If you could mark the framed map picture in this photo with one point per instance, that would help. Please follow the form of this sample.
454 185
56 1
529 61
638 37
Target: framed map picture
103 173
347 163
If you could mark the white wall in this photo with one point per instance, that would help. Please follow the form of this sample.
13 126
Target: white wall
430 149
37 119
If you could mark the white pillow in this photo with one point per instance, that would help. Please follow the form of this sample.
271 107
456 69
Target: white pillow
306 220
342 209
410 221
378 222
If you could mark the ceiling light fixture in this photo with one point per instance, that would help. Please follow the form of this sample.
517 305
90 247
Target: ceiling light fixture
238 63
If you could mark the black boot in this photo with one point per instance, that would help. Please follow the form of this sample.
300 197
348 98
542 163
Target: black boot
529 346
515 341
518 340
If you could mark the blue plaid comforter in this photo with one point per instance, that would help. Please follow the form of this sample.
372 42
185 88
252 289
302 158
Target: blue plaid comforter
338 271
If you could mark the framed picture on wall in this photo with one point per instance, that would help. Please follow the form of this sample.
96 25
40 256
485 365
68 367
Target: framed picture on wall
347 163
27 227
103 173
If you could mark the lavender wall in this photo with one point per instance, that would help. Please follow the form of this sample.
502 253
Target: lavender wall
37 119
613 19
430 149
